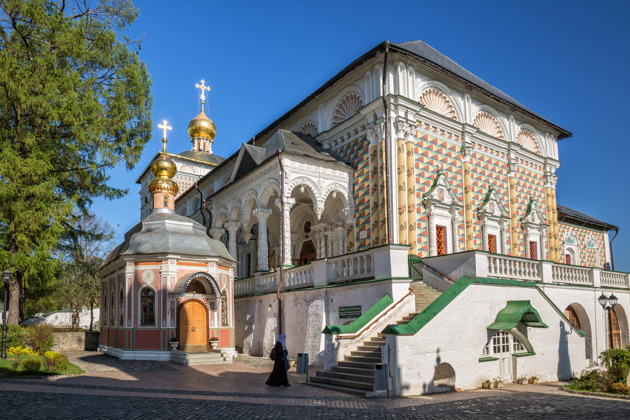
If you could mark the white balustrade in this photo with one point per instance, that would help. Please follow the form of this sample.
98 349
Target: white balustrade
245 287
268 283
614 279
360 265
513 268
570 274
352 266
298 277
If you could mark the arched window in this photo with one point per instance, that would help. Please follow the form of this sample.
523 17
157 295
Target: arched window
121 306
112 315
147 305
165 201
195 287
616 331
224 310
104 320
570 313
501 343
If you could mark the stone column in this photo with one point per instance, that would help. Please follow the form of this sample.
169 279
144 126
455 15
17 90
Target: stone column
504 228
375 230
554 224
411 198
455 219
401 131
262 214
341 235
349 214
329 243
512 172
432 238
466 152
288 204
217 233
318 236
232 228
382 190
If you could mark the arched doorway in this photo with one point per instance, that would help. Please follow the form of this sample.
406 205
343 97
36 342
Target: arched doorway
444 375
619 323
193 326
579 319
307 253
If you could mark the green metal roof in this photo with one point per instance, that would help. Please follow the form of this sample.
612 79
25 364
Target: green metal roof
514 312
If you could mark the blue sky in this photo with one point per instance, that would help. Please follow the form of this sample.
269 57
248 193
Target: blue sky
566 60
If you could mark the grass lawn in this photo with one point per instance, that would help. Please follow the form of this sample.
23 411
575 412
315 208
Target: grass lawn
6 368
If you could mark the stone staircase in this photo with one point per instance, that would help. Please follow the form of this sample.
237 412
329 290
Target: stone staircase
355 374
425 295
190 359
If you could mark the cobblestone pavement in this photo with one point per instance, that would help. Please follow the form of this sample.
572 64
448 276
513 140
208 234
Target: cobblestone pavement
115 389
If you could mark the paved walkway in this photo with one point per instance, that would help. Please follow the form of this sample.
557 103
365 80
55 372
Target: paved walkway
115 389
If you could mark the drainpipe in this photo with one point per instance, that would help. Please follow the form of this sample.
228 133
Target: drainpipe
388 180
282 233
202 207
612 259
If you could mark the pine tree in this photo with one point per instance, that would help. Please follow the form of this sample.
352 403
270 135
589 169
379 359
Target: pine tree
74 102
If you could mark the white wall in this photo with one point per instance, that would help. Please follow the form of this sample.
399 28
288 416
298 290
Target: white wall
64 319
459 332
305 314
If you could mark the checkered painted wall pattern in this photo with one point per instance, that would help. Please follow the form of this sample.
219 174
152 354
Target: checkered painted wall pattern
588 256
432 152
488 170
436 148
356 152
529 184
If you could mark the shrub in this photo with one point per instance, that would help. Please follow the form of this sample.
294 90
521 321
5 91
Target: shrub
32 365
61 361
16 336
619 388
49 360
40 338
595 380
617 362
20 351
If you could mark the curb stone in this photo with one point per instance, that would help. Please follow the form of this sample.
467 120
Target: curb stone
598 394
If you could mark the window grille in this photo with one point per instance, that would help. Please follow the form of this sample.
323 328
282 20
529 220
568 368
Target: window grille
147 302
492 244
440 235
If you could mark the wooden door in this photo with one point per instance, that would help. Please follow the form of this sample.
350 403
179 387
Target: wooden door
616 331
193 328
308 252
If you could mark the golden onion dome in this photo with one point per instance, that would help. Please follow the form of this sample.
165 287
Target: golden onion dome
164 169
202 126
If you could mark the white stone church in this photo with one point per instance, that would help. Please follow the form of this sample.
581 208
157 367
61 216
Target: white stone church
405 213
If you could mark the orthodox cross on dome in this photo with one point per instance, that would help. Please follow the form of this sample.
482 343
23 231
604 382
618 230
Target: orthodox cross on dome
203 88
164 126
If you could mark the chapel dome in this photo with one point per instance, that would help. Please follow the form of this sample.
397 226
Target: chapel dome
168 234
164 169
202 126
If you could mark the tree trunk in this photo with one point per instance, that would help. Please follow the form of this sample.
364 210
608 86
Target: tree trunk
91 315
75 318
14 301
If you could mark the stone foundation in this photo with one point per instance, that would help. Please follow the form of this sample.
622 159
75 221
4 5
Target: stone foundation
75 341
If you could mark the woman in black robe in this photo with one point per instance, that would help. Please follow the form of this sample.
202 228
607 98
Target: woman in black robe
278 376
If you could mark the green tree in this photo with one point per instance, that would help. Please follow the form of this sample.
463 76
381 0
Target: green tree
74 102
83 248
